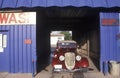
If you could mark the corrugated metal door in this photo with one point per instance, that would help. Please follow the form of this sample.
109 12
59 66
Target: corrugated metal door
110 37
4 54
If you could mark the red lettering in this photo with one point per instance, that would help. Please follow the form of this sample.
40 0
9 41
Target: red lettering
4 17
22 18
109 21
12 18
15 18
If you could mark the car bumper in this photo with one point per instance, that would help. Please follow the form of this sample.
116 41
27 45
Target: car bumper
75 70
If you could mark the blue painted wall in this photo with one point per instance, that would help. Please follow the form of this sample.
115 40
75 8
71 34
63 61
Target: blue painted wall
18 56
110 38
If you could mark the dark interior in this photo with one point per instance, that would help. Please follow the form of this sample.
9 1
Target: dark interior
80 21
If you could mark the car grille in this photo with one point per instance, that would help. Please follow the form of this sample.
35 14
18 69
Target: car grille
69 60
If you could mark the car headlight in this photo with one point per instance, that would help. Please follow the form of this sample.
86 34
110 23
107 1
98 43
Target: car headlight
61 58
55 56
78 58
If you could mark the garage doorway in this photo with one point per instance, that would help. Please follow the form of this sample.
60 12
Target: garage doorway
83 22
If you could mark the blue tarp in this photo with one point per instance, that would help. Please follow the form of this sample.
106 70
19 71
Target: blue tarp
59 3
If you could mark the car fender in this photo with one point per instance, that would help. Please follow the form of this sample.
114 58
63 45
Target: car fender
84 62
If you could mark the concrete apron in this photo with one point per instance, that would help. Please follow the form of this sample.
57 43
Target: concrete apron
15 75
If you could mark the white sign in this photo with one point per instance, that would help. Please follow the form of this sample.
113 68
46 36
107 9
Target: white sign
18 18
1 39
4 41
1 50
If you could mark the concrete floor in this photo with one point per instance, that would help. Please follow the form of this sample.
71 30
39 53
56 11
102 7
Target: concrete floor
17 75
90 74
46 73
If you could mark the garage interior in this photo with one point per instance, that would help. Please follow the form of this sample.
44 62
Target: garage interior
82 21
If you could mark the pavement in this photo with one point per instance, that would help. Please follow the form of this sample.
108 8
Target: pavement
98 75
46 73
15 75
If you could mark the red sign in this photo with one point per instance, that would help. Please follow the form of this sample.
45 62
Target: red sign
28 41
17 18
110 22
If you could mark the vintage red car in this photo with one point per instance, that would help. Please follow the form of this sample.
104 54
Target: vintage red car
66 58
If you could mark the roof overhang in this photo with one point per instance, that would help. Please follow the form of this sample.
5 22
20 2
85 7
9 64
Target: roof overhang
58 3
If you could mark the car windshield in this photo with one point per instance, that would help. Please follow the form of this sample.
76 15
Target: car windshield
65 44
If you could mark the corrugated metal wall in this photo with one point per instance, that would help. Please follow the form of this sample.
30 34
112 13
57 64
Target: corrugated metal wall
94 47
110 38
60 3
20 52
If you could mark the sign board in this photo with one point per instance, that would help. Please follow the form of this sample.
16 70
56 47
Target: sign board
20 18
4 41
1 39
110 22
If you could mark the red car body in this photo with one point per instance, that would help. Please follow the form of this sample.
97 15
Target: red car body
66 58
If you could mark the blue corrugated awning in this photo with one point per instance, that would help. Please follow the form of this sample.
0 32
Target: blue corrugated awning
59 3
